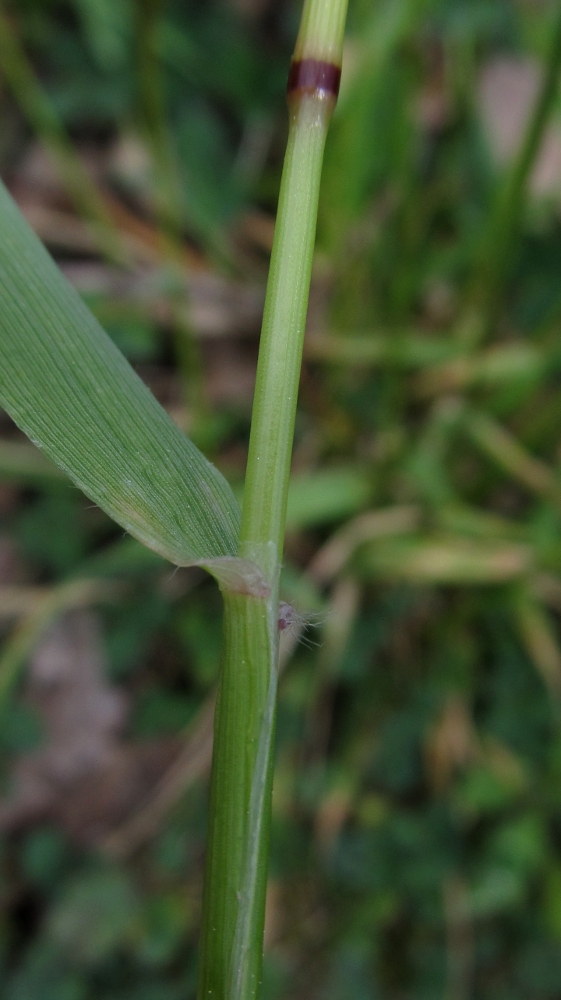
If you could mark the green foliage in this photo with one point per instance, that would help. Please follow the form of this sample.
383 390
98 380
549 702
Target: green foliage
97 420
417 808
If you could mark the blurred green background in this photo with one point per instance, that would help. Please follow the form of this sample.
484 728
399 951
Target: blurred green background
416 848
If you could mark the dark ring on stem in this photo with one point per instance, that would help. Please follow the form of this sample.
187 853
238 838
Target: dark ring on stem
309 75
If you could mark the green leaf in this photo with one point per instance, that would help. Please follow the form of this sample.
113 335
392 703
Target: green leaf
327 495
64 382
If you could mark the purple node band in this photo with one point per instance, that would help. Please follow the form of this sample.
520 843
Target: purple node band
309 75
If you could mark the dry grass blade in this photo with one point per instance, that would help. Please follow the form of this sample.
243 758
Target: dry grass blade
538 635
47 606
446 561
332 557
510 456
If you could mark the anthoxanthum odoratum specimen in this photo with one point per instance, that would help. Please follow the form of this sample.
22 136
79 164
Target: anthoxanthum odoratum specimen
236 873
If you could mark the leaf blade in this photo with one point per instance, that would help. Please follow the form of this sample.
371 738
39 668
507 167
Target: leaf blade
67 386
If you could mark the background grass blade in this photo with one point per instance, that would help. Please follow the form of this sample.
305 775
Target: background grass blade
63 381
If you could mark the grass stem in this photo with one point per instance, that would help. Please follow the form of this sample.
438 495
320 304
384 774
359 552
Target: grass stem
236 873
